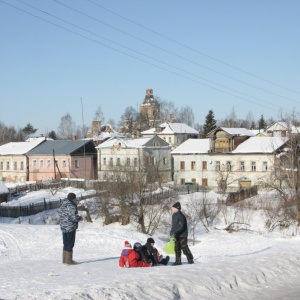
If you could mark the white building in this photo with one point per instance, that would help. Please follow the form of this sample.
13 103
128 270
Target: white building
122 153
195 161
173 133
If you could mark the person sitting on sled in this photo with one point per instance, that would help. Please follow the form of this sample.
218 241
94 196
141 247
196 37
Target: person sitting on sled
153 253
130 258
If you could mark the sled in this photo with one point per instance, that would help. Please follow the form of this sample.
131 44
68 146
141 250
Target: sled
170 247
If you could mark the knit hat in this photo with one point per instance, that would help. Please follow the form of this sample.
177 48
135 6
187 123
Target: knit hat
150 241
71 196
137 246
177 205
127 244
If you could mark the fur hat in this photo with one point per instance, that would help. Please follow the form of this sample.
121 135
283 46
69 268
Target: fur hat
177 205
71 196
150 241
127 244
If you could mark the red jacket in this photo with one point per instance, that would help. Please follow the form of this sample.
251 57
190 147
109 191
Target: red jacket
131 259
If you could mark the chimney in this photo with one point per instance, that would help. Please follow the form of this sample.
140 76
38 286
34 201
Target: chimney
74 137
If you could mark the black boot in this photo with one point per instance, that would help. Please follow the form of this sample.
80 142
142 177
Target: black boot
165 260
177 260
189 255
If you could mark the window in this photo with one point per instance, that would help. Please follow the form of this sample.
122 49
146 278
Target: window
193 180
217 165
164 161
193 165
128 161
182 180
15 165
253 166
265 166
242 166
56 163
170 140
118 161
1 165
48 163
228 165
178 140
64 163
182 165
7 165
21 165
204 165
34 163
104 161
204 181
111 161
76 163
135 162
153 160
41 163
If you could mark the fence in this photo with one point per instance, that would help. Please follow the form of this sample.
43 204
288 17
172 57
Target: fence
240 195
34 208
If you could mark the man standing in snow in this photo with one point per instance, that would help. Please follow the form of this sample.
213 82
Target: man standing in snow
179 231
69 219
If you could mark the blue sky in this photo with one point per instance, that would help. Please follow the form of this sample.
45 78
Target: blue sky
209 54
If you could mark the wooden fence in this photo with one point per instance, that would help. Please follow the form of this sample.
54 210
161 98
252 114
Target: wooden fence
34 208
240 195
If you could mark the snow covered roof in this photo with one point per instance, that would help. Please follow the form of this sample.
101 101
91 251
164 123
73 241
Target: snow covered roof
260 145
172 128
238 131
20 148
3 188
259 132
128 142
191 146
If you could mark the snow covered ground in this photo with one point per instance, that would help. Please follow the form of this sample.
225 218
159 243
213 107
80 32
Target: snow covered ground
249 264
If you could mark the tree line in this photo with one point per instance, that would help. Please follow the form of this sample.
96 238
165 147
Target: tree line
67 128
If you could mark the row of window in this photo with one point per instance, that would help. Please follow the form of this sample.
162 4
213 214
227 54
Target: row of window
47 164
129 162
14 165
228 166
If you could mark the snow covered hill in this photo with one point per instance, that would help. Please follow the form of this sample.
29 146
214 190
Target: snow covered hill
238 265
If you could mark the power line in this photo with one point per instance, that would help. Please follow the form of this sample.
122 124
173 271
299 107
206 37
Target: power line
179 69
134 57
190 48
170 52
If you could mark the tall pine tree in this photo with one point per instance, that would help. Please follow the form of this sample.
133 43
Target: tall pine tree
262 124
210 123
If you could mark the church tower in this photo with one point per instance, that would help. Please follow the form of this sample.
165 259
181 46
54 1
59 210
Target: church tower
149 112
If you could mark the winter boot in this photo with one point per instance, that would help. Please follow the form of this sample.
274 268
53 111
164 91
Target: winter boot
64 256
165 260
177 260
69 258
189 255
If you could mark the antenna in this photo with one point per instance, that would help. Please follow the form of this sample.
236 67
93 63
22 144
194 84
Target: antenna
83 138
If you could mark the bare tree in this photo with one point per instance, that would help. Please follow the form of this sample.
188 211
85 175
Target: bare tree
186 115
66 127
99 115
167 110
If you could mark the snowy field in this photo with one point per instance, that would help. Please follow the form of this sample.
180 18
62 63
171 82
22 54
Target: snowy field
249 264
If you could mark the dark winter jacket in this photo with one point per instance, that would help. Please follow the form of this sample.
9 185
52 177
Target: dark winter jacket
69 217
131 259
179 225
152 253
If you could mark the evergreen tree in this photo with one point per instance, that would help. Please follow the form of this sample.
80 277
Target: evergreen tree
210 123
28 129
261 123
52 135
252 125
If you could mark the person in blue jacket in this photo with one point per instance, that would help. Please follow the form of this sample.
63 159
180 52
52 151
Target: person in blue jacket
69 219
179 231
